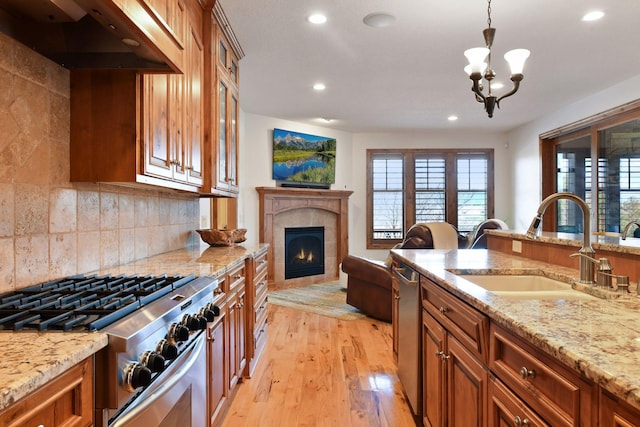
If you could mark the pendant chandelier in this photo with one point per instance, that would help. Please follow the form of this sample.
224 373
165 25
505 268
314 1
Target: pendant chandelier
480 67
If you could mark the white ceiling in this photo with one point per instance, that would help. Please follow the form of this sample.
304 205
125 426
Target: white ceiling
409 76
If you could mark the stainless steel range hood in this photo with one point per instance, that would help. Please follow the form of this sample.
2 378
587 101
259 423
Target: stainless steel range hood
93 33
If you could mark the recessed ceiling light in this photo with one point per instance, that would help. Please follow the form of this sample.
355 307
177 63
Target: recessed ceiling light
452 118
326 119
379 19
319 86
593 15
317 18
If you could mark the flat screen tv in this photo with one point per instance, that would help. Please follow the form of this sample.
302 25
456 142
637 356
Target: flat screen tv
303 160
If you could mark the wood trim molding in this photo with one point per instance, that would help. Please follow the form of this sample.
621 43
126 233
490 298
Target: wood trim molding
276 200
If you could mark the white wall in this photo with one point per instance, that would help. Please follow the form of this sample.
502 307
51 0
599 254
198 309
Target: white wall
526 192
256 140
256 154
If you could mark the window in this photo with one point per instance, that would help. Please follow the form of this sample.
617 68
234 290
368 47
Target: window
410 186
612 190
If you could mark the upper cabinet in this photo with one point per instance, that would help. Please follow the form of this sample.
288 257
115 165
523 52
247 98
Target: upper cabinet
168 130
172 113
224 53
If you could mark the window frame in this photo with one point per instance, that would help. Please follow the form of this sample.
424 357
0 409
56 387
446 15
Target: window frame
409 193
589 126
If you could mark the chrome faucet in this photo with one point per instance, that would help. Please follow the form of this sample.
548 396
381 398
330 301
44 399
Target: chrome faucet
627 227
586 266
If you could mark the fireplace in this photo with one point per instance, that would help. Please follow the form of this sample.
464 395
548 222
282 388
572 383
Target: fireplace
282 208
304 251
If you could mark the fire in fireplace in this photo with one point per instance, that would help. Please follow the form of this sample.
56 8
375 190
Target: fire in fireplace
304 251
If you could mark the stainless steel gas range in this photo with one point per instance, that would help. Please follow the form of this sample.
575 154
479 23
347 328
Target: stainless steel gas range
153 370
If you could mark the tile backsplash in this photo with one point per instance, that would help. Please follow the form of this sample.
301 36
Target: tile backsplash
50 227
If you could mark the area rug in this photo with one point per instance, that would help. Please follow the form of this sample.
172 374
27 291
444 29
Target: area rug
327 299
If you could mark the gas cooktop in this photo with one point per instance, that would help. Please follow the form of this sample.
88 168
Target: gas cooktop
87 303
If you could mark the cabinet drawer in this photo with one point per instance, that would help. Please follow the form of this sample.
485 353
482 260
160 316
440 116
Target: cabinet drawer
236 275
260 263
260 336
260 284
557 394
467 324
505 409
261 313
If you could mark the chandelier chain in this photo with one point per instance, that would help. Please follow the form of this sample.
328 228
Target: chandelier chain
489 13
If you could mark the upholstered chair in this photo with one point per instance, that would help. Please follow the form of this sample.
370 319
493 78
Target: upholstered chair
369 281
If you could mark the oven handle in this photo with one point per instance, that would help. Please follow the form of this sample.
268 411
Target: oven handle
173 380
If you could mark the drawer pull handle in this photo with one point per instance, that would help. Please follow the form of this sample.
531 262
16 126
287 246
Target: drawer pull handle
442 356
443 310
519 422
526 373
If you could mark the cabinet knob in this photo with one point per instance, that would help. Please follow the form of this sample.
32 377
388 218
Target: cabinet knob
519 422
443 310
526 373
442 356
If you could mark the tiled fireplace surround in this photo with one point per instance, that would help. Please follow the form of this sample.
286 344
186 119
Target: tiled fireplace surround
294 207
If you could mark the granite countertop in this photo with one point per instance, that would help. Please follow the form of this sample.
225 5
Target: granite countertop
598 337
599 241
31 359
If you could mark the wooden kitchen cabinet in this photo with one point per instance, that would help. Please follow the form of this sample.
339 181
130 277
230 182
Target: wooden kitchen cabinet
172 110
222 56
454 355
217 390
257 307
454 382
560 396
67 400
236 311
616 413
133 128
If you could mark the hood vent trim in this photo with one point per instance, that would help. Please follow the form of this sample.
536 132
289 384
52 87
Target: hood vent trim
87 34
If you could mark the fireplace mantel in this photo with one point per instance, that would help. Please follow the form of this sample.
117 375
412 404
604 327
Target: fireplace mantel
278 200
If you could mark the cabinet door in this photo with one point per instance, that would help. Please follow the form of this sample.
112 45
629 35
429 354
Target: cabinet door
227 123
232 341
156 125
433 372
232 161
216 366
194 160
614 413
222 180
466 387
242 333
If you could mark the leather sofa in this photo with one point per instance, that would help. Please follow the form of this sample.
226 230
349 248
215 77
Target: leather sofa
369 281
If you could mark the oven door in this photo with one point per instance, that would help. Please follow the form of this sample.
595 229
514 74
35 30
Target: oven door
180 390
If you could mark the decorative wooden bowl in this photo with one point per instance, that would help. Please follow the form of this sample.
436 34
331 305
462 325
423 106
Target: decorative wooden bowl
216 237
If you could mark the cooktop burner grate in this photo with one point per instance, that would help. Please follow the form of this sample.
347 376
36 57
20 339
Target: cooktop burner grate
82 302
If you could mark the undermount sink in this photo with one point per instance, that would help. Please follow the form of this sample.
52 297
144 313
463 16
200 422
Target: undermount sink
526 286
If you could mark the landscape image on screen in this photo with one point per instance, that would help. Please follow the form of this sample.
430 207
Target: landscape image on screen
303 158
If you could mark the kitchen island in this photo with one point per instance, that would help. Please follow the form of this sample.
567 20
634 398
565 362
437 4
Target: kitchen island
598 338
30 360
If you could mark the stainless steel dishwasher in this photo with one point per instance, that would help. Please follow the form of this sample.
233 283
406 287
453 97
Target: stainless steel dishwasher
409 342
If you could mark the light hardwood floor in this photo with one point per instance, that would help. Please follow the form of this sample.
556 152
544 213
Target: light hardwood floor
320 371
